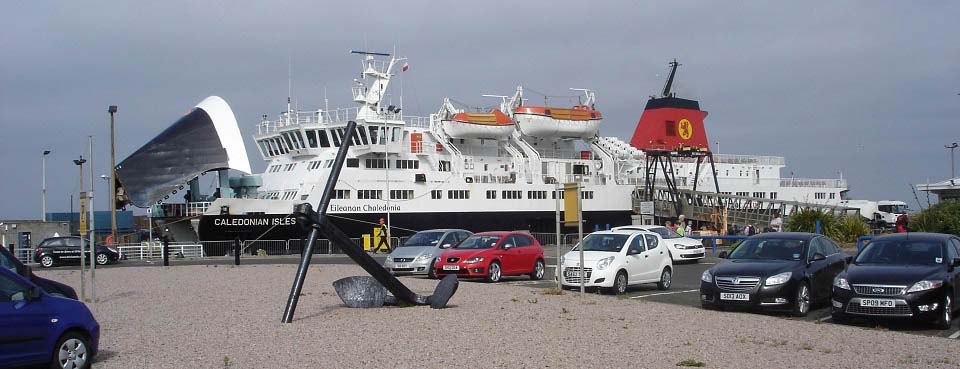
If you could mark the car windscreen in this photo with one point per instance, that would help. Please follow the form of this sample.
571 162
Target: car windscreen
901 252
665 232
603 242
478 242
769 249
424 239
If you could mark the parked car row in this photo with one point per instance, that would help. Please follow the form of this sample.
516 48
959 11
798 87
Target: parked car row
899 276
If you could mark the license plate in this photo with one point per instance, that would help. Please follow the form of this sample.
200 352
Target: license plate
573 273
878 303
451 267
735 296
402 266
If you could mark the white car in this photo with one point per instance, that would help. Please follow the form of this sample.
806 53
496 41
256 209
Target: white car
616 259
681 248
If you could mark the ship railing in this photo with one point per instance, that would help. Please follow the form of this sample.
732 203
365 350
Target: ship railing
154 250
813 182
176 210
307 117
559 154
210 249
739 159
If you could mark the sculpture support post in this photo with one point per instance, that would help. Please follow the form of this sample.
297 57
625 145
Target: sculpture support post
314 230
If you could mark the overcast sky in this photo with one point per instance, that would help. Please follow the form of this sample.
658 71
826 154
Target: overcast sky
867 88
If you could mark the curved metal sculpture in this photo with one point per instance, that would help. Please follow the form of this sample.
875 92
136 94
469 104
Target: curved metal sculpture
355 292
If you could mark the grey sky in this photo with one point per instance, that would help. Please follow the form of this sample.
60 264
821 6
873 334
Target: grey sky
869 88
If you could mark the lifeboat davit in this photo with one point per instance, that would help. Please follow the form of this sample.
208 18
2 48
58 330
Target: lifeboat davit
494 124
544 121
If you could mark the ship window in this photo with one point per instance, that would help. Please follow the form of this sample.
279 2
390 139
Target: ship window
512 195
312 138
355 140
820 195
335 134
396 134
286 137
373 134
324 141
832 195
376 163
353 163
758 195
369 194
537 195
773 195
341 194
401 194
408 164
554 194
263 148
281 146
363 135
586 195
444 165
436 194
491 194
670 127
299 136
458 194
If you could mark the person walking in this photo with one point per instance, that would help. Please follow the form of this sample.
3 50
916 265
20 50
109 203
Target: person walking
384 239
689 229
776 224
681 225
902 223
670 226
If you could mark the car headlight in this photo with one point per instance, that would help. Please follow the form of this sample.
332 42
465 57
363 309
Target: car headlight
113 250
841 283
706 276
778 279
476 259
563 259
925 285
424 257
438 260
605 262
679 246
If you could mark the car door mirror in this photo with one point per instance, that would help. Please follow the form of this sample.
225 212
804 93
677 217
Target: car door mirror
508 246
848 259
723 255
445 246
35 293
955 262
817 257
633 251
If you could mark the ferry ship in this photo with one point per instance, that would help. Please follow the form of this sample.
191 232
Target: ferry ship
497 168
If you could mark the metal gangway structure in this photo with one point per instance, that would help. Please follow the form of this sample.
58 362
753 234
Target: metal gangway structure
726 210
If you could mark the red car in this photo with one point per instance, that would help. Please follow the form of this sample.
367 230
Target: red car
492 255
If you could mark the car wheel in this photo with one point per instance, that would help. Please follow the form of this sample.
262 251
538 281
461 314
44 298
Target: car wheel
71 351
494 272
538 270
620 283
103 259
666 279
946 315
801 305
46 261
431 272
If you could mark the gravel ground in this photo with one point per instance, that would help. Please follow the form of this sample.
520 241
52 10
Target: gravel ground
217 317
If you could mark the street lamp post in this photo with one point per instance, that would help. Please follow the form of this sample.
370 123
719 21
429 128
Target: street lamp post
952 147
43 185
83 295
112 198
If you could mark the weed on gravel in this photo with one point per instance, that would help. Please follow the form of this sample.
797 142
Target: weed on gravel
692 363
552 291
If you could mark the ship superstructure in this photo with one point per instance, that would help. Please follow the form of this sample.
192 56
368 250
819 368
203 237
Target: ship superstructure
497 168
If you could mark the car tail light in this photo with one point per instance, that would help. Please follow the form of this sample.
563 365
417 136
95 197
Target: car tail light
38 250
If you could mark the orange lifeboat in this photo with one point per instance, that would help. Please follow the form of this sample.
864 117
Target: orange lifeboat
494 124
544 121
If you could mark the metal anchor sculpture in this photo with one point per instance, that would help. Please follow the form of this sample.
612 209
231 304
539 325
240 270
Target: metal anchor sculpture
355 291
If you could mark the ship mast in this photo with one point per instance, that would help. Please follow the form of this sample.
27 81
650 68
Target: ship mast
669 85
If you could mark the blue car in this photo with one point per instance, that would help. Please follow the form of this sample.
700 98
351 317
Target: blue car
37 328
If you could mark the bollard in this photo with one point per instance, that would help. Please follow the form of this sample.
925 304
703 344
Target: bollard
165 251
714 240
236 251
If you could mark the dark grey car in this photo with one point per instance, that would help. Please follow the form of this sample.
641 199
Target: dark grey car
417 254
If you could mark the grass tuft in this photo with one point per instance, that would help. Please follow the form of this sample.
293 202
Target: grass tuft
692 363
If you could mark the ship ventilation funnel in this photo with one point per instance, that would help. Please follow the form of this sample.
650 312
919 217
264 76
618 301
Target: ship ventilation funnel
207 138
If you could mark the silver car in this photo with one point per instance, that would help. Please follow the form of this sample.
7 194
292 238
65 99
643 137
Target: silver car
416 255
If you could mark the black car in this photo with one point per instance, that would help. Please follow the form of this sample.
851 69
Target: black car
8 261
66 250
903 275
774 271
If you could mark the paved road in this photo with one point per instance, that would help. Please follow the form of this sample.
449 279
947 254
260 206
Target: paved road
684 291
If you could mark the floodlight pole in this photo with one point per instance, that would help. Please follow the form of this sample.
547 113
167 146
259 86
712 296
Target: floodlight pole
557 272
83 294
43 185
